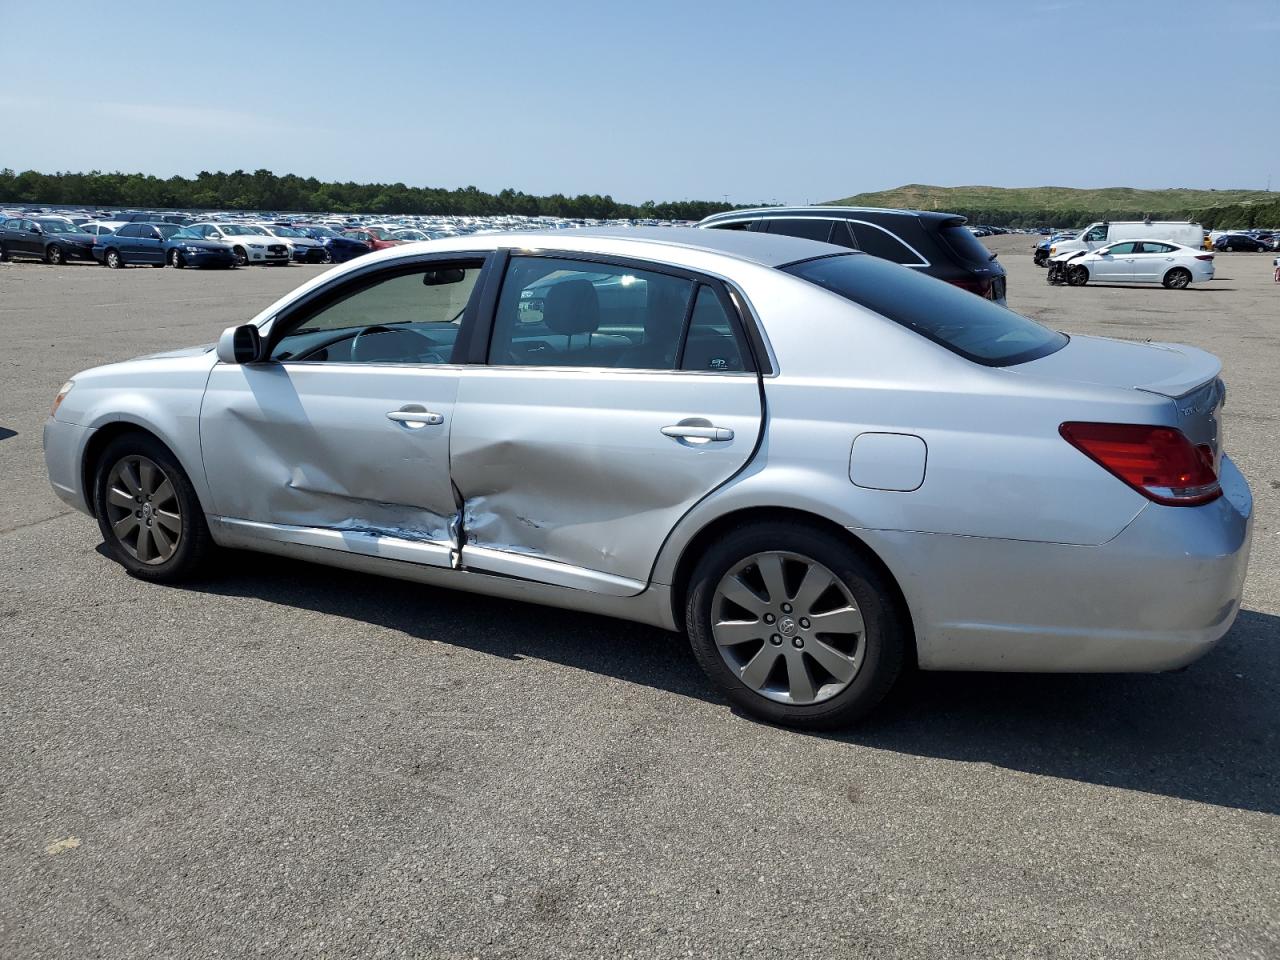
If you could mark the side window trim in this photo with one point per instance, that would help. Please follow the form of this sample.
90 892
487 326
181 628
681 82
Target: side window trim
924 261
351 284
496 270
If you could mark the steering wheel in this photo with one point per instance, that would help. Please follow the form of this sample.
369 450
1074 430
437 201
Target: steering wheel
380 342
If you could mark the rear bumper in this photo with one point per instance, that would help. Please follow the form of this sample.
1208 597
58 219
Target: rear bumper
64 445
1156 597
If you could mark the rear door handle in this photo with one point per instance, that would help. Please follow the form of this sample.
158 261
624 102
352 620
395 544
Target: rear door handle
681 431
413 419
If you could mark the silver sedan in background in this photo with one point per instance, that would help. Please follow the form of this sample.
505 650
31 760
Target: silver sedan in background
822 466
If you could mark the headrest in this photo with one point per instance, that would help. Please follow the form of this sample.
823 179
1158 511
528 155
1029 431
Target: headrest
570 307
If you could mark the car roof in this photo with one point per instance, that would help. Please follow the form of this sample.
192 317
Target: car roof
766 249
828 210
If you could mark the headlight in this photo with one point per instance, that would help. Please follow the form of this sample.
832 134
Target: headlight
195 250
1052 251
62 395
257 246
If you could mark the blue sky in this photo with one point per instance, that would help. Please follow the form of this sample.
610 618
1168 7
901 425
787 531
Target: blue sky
795 101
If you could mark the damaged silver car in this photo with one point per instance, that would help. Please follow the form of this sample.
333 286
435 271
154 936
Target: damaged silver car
823 466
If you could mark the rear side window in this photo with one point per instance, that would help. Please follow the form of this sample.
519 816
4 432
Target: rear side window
961 241
129 230
714 342
965 324
807 228
879 242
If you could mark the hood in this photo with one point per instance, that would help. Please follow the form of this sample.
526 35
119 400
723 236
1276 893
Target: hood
181 352
198 242
1168 369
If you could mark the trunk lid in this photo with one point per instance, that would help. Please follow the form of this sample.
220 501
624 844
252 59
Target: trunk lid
1186 375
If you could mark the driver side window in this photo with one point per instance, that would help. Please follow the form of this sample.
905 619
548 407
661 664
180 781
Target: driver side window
411 316
1096 235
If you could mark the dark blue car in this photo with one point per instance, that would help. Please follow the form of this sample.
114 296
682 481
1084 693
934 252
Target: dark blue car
134 243
1041 254
337 248
187 248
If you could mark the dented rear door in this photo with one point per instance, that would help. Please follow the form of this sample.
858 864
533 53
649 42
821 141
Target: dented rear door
568 477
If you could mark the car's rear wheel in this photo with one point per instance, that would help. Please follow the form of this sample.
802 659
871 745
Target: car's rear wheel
55 255
114 260
176 260
1177 278
242 258
794 627
148 512
1077 276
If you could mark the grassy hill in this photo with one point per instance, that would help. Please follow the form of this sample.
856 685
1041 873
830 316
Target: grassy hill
1033 206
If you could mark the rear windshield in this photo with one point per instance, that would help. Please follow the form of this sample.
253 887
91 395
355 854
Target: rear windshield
963 322
964 244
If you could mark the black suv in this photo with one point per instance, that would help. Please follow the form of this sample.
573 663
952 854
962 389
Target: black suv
938 244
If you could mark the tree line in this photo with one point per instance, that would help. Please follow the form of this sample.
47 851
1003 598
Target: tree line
264 190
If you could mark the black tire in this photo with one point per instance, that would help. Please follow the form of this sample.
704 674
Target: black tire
113 259
55 255
884 641
328 256
1177 278
242 258
176 260
1077 276
193 544
4 254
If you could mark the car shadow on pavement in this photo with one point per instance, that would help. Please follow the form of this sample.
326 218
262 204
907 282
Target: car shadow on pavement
1208 733
6 433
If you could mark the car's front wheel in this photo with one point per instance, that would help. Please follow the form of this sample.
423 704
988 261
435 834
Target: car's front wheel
794 626
55 255
242 258
328 256
1177 278
176 260
1077 276
148 511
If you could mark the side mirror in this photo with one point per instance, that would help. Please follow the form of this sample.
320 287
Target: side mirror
240 344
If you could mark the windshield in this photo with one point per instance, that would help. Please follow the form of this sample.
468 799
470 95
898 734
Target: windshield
320 232
242 230
57 226
410 235
187 233
285 232
167 230
963 322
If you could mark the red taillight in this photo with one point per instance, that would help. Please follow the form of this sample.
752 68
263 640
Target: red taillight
1159 462
982 288
1204 256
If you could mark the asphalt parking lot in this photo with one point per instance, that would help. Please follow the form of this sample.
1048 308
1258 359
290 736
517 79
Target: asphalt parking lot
286 760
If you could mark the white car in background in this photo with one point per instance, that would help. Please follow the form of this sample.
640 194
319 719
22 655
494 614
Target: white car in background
96 228
251 244
1134 261
302 248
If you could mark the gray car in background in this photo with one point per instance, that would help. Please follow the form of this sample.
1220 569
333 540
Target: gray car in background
823 466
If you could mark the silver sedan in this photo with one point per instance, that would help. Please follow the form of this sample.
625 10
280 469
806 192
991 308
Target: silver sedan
822 466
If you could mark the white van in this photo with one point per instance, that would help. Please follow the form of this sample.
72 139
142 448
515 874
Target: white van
1098 234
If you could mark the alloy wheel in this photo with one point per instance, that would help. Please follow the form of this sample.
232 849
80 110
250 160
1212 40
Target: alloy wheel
56 256
143 509
113 260
788 628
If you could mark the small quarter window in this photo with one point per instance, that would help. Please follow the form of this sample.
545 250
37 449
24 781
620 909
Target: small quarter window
879 242
714 344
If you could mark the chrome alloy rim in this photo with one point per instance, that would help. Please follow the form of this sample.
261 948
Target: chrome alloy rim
788 628
143 509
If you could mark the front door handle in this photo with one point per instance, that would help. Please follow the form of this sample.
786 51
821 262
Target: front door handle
684 431
414 419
